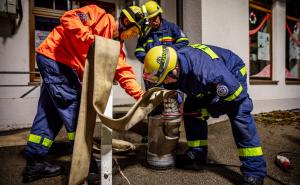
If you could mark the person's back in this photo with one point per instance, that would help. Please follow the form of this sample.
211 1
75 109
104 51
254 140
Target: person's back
68 43
229 58
201 64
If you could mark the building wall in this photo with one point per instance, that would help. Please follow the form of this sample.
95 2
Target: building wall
16 112
225 23
192 21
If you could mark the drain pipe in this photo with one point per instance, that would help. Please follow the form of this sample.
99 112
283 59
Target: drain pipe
179 13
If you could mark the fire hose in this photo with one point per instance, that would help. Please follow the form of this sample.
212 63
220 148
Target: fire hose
97 83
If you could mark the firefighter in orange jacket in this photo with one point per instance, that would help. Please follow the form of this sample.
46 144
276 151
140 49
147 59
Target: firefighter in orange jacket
60 59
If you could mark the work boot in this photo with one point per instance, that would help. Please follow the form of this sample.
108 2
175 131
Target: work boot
37 169
70 147
249 180
191 160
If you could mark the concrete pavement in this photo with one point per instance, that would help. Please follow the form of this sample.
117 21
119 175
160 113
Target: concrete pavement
222 150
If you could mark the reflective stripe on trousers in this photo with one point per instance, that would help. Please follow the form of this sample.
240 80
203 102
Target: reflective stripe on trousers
197 143
37 139
243 129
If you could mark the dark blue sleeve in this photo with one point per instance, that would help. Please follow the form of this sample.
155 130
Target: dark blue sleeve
140 51
180 39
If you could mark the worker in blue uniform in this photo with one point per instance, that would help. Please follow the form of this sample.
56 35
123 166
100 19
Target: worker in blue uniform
161 32
60 59
214 80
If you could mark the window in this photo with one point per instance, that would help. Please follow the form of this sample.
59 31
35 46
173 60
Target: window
260 39
292 72
45 16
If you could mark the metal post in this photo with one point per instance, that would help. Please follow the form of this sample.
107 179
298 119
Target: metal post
106 147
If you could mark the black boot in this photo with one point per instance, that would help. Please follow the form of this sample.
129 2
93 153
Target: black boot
95 166
37 169
191 160
249 180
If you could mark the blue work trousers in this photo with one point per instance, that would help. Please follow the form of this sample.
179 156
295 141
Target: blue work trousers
243 129
58 105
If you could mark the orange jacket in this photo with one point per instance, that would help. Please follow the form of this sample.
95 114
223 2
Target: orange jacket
68 43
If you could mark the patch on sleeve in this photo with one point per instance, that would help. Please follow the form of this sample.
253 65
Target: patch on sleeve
222 90
82 16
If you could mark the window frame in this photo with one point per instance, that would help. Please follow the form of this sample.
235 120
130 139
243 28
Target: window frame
42 12
263 80
290 81
34 78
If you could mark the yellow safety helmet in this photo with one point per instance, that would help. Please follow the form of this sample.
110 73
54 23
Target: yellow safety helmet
158 63
136 18
153 9
134 15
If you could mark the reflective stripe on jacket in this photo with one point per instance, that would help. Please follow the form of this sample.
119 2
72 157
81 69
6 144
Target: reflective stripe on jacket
168 34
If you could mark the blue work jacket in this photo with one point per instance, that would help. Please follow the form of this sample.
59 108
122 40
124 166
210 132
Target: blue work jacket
168 34
211 72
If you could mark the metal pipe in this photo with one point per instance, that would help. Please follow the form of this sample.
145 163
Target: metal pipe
179 13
